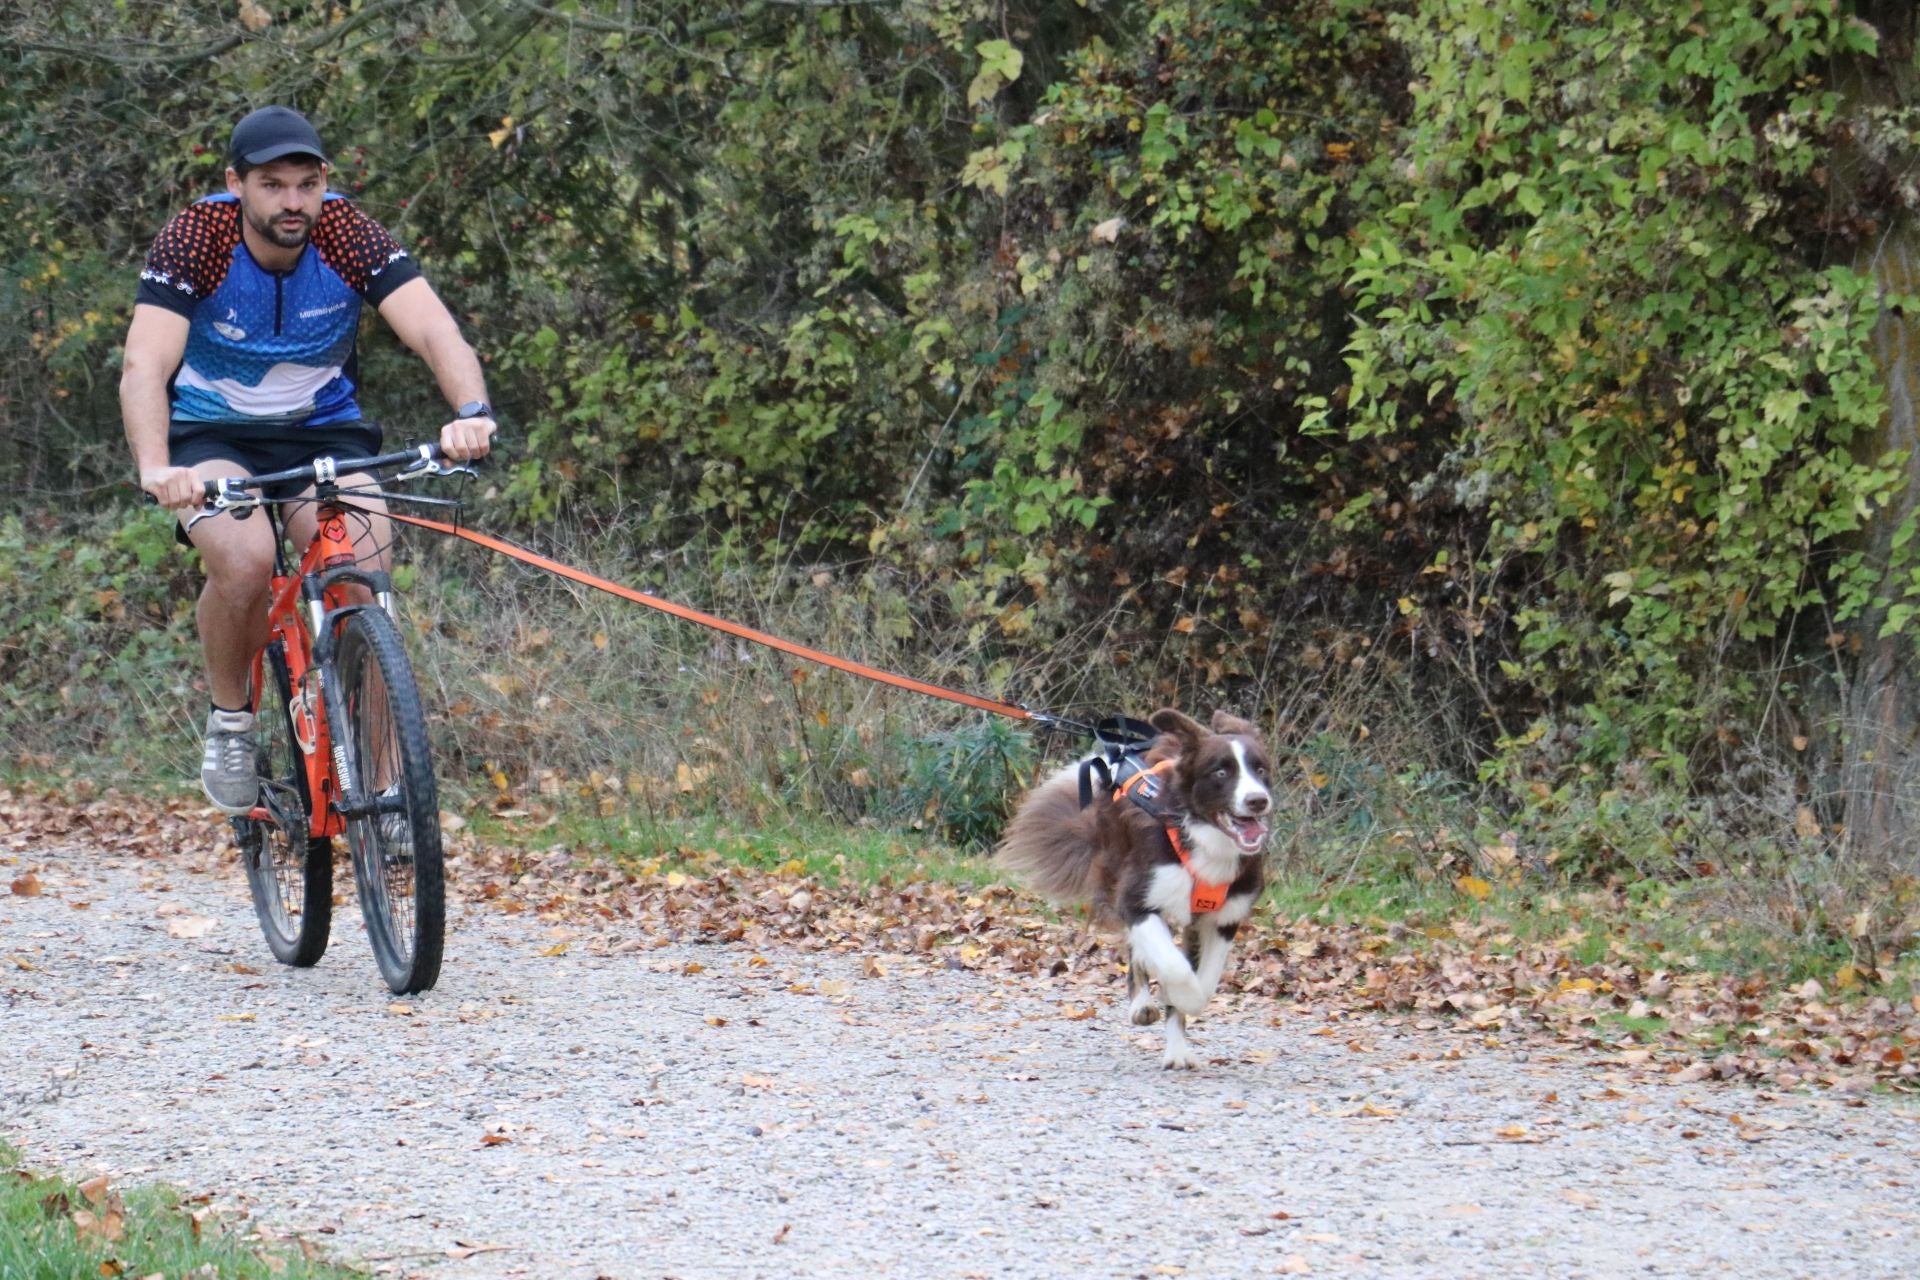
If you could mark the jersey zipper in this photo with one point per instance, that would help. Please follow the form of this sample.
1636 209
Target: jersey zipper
278 281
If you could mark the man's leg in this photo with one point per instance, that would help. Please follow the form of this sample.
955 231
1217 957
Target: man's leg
238 558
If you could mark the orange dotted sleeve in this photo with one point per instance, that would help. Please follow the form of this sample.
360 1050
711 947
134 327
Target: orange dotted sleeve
361 251
190 256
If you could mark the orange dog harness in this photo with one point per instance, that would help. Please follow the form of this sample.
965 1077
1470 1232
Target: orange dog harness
1143 789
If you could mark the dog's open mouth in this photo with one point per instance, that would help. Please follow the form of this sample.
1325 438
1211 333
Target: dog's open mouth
1251 833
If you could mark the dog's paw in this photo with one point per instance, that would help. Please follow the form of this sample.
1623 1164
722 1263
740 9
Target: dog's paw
1144 1014
1179 1058
1185 995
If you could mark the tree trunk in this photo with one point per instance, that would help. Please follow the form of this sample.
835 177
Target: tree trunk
1880 703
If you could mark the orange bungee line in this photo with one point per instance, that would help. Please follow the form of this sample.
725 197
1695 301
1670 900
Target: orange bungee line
733 628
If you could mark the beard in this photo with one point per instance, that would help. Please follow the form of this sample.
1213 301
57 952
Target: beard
278 232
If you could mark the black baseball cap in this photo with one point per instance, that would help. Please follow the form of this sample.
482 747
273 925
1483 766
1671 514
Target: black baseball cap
273 133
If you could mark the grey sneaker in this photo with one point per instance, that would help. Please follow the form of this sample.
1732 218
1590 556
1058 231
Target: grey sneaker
228 770
396 833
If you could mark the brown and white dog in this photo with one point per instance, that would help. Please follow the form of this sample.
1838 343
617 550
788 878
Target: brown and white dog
1214 803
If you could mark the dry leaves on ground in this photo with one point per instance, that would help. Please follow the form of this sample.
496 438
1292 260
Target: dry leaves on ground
1472 978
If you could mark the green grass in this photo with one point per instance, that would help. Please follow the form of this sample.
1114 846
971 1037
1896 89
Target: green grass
1644 1028
1650 925
156 1234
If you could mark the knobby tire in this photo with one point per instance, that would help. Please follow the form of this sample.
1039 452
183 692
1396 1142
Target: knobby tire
289 872
402 898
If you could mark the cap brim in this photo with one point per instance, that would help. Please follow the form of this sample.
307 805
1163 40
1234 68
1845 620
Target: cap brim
267 155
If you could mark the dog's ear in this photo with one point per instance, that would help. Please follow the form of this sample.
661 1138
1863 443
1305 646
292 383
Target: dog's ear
1227 722
1185 728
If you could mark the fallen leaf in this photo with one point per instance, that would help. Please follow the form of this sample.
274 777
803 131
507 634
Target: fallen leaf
107 1226
235 1017
495 1140
460 1249
1580 1199
190 926
557 949
1109 230
403 1010
26 886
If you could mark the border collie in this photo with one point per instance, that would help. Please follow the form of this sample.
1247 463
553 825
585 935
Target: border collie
1126 860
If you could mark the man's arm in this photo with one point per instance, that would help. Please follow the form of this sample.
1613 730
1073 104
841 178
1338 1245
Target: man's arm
156 341
423 322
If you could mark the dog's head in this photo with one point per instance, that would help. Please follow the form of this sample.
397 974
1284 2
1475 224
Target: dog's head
1222 771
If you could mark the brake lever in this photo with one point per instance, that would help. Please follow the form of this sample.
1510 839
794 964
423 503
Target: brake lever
229 498
427 466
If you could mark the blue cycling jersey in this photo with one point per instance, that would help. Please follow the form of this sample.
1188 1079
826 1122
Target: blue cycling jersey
270 347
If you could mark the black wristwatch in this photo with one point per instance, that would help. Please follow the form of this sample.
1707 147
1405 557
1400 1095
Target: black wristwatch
474 409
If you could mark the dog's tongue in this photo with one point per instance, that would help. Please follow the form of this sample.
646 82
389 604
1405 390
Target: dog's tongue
1252 832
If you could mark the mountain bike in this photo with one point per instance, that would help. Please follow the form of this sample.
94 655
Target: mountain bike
343 745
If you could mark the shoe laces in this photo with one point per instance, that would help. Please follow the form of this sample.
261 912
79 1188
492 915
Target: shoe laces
232 751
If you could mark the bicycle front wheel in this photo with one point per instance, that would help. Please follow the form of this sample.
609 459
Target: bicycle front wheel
394 832
289 872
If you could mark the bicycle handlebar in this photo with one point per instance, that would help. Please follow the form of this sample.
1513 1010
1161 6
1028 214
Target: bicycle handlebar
425 460
231 493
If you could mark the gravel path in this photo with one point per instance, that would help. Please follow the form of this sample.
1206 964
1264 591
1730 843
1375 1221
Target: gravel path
615 1107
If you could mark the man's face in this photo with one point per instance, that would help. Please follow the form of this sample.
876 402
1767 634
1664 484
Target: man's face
281 199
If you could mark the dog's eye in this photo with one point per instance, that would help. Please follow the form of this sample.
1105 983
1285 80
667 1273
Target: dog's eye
1222 771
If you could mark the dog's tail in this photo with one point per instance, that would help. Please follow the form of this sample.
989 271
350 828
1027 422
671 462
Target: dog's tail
1051 845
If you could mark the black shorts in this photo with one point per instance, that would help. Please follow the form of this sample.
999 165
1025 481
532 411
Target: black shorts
261 449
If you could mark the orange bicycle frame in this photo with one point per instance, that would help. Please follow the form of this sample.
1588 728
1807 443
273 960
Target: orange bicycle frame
296 614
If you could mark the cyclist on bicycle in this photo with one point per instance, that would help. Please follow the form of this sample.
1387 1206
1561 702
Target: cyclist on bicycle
240 361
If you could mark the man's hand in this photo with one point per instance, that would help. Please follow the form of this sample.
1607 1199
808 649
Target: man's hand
175 488
466 438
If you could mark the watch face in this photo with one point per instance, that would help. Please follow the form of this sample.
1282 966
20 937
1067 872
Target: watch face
474 409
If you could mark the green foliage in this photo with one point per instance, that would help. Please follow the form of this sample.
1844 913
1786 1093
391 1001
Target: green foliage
963 783
1586 283
95 637
1517 355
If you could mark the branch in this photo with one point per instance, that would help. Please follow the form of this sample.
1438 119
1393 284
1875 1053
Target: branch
318 40
201 54
346 26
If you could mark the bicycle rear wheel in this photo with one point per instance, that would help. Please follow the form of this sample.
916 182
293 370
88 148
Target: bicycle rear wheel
394 832
289 872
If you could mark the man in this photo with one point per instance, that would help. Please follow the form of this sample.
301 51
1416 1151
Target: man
240 361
